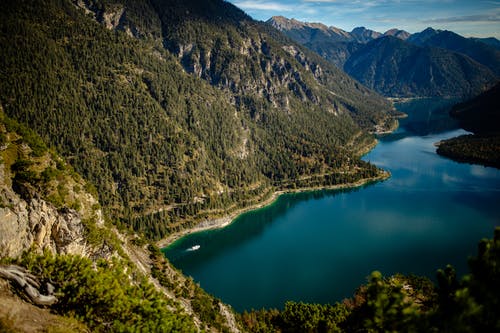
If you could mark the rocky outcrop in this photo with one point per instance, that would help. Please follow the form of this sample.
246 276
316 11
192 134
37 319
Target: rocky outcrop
38 224
274 75
114 16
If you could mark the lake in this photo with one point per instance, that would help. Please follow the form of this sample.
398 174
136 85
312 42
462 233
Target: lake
320 246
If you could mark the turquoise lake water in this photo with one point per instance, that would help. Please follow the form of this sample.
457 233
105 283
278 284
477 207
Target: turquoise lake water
320 246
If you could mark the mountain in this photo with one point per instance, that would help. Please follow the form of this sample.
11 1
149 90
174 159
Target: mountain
491 41
65 268
404 65
180 111
335 52
481 52
363 35
480 115
419 38
401 34
316 33
304 32
396 68
114 130
127 285
333 44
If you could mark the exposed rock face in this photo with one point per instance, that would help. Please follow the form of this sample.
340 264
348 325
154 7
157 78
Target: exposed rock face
114 17
305 32
37 223
42 226
401 34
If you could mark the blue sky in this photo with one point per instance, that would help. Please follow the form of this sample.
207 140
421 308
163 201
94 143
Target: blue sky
480 18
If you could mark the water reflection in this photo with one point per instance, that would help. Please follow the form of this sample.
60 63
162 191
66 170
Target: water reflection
425 116
320 246
244 229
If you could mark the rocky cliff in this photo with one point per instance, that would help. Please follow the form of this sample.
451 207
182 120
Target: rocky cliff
42 205
38 224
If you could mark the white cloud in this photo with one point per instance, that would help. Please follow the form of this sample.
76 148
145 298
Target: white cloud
467 18
262 5
322 1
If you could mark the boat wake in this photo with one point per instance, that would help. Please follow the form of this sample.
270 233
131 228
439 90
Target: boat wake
193 248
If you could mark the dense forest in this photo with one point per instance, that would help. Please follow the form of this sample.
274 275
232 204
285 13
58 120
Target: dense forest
164 148
96 284
480 115
129 110
111 294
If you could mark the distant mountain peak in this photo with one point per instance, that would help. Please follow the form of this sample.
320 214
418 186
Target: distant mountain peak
364 35
282 22
429 29
401 34
485 54
396 63
420 37
306 32
312 32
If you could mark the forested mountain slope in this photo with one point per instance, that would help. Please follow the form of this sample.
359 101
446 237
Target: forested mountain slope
397 64
396 68
180 110
57 252
483 53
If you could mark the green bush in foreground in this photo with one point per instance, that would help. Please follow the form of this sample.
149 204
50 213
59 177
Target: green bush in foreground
403 303
105 297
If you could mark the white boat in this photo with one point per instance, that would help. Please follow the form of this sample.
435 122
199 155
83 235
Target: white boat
194 248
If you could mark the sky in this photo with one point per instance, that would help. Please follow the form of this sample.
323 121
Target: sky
470 18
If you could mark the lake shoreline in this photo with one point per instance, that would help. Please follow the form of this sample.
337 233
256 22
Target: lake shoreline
228 219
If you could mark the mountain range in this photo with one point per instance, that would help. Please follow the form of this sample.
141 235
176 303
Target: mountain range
124 122
305 32
400 64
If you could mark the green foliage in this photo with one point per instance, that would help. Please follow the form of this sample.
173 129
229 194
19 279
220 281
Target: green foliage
403 303
480 149
29 136
3 138
163 148
260 321
300 317
49 174
104 296
388 307
297 317
471 304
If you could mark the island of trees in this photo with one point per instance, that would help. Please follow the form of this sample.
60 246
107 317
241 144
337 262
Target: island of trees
481 115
